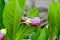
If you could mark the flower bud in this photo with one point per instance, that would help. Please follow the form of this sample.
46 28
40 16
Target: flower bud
1 36
2 33
35 21
23 19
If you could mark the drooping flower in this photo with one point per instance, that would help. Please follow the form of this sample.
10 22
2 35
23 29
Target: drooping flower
35 21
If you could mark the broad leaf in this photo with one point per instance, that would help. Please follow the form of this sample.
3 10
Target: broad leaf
11 18
58 23
1 12
52 13
7 1
22 4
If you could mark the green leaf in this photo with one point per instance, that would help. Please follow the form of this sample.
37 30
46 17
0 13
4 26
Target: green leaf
36 35
52 20
11 18
1 12
20 32
20 28
27 32
44 34
23 32
6 1
22 4
33 12
58 23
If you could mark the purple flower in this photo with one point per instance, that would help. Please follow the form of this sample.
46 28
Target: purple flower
2 33
23 19
35 21
1 36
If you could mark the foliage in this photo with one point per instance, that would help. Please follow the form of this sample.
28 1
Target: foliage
53 20
11 12
36 34
33 12
44 34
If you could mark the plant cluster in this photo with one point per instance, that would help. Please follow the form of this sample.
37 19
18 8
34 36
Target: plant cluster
14 26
